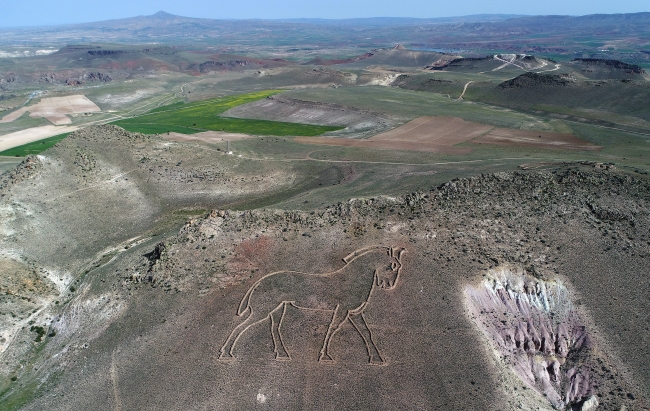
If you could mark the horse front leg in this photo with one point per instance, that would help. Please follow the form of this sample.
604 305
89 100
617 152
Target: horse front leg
253 318
338 318
359 323
276 321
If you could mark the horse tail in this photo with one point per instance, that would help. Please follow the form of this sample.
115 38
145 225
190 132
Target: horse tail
245 303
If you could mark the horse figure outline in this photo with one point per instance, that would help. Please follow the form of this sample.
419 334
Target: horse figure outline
345 292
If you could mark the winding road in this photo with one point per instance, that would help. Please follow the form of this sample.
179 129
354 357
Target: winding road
465 89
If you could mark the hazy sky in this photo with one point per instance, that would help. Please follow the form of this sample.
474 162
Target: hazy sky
39 12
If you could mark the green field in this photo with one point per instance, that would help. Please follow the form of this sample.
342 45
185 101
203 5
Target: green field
34 147
205 115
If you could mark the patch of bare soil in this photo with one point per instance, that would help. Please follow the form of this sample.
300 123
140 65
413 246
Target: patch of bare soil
24 292
29 135
56 109
441 134
441 130
383 144
534 326
533 138
430 134
206 136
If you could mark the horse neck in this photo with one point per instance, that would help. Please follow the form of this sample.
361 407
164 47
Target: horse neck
362 268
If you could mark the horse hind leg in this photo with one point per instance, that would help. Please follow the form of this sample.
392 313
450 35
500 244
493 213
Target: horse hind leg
277 315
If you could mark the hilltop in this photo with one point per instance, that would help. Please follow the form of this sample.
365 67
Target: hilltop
159 303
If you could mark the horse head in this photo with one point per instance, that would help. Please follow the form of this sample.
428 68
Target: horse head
386 275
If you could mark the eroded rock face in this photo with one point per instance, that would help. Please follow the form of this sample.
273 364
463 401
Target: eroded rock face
536 330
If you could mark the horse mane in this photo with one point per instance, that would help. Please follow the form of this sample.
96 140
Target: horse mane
362 251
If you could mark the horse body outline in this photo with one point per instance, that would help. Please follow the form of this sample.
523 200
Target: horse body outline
345 292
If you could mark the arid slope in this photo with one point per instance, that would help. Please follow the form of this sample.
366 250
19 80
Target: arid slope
144 327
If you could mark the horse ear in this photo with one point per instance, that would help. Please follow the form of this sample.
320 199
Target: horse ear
349 257
400 251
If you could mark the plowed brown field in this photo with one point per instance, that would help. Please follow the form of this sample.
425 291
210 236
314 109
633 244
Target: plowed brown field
441 134
532 138
432 134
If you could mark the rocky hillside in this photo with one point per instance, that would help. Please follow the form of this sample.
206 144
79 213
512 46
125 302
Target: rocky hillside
600 69
532 80
524 290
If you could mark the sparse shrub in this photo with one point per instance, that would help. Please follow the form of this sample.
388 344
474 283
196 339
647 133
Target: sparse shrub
40 332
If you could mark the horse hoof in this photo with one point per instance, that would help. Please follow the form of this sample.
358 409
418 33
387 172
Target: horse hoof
377 361
226 357
325 358
282 358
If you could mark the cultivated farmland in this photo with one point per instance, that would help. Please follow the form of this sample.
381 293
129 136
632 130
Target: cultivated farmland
205 115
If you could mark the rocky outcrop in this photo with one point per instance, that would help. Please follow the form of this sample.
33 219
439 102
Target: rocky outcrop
212 65
464 62
529 79
614 64
26 169
92 76
7 80
106 52
113 53
537 331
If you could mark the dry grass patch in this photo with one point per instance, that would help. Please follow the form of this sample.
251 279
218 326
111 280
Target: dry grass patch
207 137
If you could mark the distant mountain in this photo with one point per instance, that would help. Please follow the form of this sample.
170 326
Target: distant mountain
404 21
167 28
